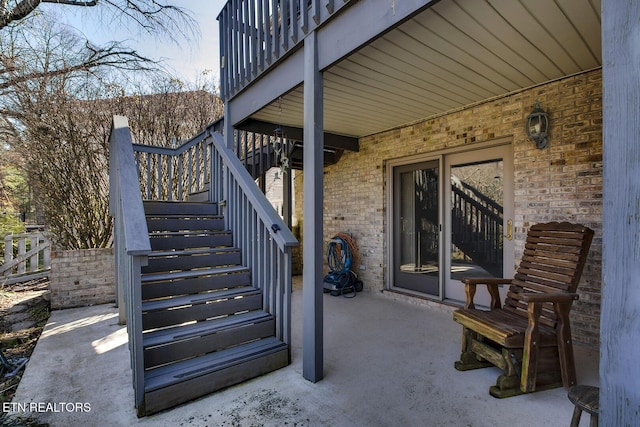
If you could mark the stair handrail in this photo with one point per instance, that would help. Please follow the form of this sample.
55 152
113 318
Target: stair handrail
493 211
265 241
172 151
125 196
481 196
131 242
279 231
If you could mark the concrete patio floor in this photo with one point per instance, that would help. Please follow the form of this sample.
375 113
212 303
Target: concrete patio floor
388 362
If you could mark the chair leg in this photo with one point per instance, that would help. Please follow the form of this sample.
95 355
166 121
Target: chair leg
506 386
565 347
575 420
468 358
530 350
469 361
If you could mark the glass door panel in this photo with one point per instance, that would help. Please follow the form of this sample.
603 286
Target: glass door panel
417 228
476 219
479 208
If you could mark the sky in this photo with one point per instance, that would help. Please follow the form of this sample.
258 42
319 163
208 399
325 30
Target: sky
187 60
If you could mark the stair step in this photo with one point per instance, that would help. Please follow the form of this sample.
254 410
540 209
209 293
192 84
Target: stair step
186 341
185 300
199 329
182 224
189 308
177 240
198 367
204 328
146 278
172 385
191 251
184 216
189 260
186 233
200 196
224 278
188 208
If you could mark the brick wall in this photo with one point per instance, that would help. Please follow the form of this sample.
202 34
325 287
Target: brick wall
82 278
560 183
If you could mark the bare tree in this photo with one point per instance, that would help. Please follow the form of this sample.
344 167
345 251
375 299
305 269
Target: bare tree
59 123
153 16
18 20
170 111
58 92
42 52
66 154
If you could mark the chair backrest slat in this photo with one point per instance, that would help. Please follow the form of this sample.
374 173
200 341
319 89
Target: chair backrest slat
554 257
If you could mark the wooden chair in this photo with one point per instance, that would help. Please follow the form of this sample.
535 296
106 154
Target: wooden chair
529 338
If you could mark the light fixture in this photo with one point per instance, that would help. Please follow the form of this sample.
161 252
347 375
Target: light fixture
538 126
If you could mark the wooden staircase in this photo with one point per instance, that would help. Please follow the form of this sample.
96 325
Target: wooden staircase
203 323
205 290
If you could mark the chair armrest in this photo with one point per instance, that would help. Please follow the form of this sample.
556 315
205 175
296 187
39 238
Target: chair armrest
470 284
486 281
555 297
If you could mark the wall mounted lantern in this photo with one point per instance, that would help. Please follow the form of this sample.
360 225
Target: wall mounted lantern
538 126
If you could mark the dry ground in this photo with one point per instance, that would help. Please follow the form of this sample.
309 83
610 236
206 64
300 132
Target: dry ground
24 311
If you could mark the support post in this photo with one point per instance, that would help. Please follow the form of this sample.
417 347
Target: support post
228 134
228 126
312 327
620 310
120 290
287 198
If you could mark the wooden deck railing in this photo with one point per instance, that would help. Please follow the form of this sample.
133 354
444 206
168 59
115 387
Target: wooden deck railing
173 173
131 242
259 152
254 34
261 234
26 256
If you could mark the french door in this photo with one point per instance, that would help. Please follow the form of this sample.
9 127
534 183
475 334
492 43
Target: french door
452 218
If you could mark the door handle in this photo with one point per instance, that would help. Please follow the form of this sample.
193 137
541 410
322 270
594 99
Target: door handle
509 235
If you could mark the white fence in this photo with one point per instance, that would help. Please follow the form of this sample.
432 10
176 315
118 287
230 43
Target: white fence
27 256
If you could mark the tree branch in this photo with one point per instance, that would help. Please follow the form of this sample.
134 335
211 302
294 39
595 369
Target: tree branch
21 10
73 2
98 57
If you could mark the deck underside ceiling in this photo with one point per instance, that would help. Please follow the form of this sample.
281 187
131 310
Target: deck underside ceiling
453 54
